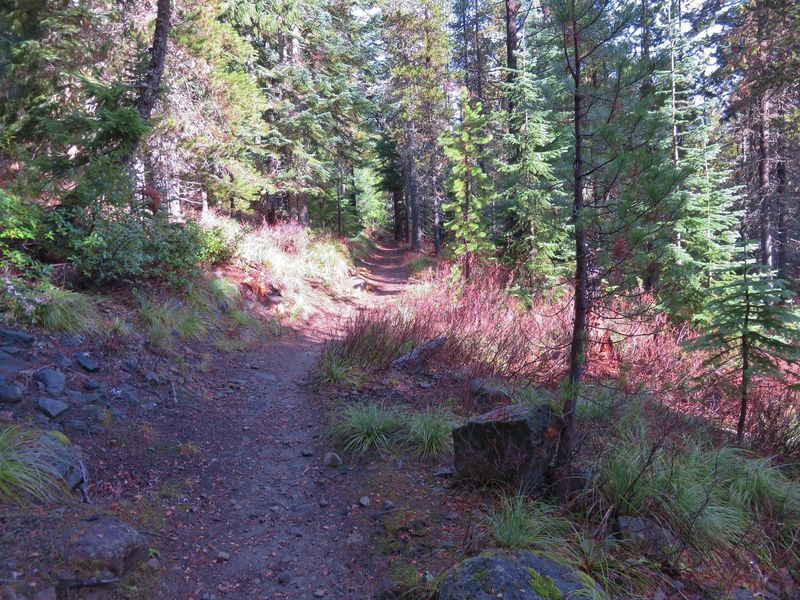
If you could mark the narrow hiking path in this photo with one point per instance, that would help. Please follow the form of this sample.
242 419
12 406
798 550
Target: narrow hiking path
264 517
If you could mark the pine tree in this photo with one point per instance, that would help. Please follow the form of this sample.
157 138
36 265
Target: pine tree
530 201
749 326
618 175
471 189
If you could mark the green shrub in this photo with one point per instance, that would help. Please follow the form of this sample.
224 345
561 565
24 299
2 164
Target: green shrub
218 245
364 427
28 466
19 234
115 250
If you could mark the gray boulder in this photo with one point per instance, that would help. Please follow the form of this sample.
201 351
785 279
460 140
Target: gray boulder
649 538
87 362
11 365
18 338
106 544
511 576
51 408
52 380
512 445
9 393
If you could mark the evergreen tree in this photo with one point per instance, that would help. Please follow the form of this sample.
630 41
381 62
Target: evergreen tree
617 171
471 189
749 326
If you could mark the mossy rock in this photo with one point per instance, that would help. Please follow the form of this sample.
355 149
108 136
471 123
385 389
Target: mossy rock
512 576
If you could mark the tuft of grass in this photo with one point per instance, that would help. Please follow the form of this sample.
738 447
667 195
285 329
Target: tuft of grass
365 427
119 326
521 524
28 467
224 293
429 433
64 310
335 368
192 326
245 320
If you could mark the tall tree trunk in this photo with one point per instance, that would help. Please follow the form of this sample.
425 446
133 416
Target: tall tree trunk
397 204
413 197
745 357
437 227
339 191
512 16
765 197
151 82
478 54
783 226
577 346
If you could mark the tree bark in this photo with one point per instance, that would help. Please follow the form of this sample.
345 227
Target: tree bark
512 42
151 82
413 200
765 198
397 204
783 228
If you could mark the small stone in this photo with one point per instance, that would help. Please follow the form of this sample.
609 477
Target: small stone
364 501
9 393
306 452
129 365
388 505
72 341
51 408
154 564
425 385
324 503
319 593
52 380
223 556
77 426
284 578
87 362
452 516
445 472
129 394
62 361
90 384
331 459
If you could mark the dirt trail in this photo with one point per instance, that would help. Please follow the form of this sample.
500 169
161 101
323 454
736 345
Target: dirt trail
264 517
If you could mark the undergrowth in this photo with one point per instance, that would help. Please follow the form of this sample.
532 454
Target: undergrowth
366 427
28 467
363 427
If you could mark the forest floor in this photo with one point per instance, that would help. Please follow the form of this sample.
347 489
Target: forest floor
219 458
268 519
